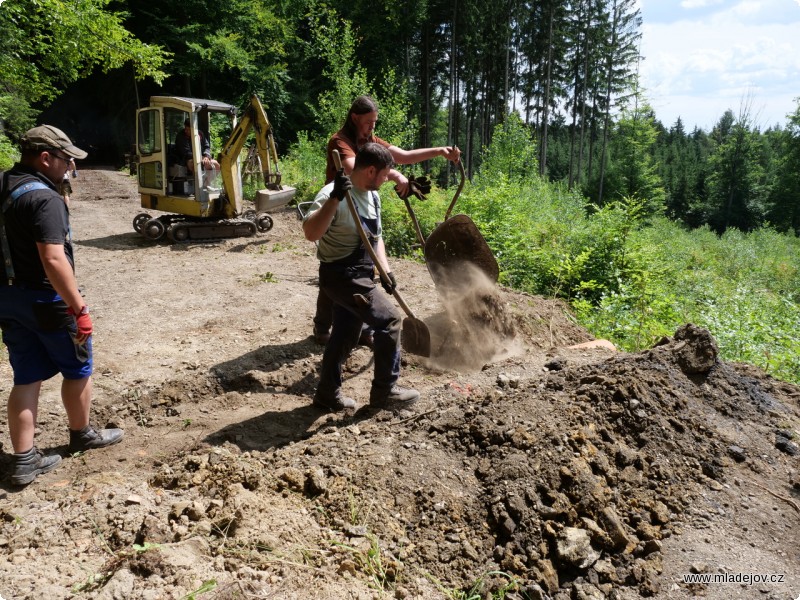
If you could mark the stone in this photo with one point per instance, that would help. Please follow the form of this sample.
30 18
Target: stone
737 453
573 547
615 529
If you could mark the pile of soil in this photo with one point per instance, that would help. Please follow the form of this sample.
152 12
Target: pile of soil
532 467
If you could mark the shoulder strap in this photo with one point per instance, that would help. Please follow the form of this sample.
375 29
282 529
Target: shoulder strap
8 200
377 205
19 190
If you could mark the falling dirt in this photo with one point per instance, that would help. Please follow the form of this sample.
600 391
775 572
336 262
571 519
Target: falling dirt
534 466
477 325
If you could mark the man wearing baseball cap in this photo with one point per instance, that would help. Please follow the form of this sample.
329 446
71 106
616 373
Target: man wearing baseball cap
45 321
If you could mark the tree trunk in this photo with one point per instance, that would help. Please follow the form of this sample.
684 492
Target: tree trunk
546 97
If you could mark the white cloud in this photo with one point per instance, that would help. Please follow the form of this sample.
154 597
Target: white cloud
700 63
701 3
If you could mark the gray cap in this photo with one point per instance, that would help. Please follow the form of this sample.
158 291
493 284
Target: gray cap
46 137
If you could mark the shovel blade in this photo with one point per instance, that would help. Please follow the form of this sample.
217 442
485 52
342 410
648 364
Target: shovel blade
416 337
453 243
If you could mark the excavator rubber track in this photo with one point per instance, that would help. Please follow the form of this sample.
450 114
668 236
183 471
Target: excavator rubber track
181 228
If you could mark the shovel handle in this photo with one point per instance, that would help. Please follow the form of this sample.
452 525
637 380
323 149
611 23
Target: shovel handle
337 161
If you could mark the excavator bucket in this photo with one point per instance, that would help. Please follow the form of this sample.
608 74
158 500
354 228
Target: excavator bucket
268 199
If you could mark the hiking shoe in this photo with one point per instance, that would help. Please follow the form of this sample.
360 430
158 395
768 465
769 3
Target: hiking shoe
27 465
89 438
395 398
366 339
334 404
321 337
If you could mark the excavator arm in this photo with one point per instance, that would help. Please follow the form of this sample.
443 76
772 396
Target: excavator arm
254 118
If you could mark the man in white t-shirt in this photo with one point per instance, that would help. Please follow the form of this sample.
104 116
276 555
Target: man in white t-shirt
347 273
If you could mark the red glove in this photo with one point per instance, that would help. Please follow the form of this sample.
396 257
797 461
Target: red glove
84 323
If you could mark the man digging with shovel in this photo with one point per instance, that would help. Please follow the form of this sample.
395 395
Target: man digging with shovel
346 275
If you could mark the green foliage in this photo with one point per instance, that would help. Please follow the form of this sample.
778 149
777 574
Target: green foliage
512 152
335 43
605 260
742 287
303 167
48 44
382 574
632 173
737 190
783 206
9 154
631 280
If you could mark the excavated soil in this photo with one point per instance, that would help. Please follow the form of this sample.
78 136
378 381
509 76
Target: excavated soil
530 469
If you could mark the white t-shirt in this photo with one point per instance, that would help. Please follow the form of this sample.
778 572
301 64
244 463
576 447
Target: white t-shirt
342 237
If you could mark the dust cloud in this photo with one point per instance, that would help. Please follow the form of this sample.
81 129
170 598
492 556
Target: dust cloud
476 326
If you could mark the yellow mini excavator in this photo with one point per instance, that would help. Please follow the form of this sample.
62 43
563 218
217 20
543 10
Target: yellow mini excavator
202 204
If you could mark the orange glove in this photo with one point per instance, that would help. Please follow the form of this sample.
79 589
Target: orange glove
84 323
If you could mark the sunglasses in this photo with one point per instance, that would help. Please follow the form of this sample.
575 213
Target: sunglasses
54 155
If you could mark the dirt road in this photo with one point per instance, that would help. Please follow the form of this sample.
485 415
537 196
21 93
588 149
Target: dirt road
542 472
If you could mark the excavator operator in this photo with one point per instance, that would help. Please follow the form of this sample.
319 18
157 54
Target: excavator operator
183 146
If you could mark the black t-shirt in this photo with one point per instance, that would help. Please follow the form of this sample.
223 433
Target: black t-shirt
36 216
183 146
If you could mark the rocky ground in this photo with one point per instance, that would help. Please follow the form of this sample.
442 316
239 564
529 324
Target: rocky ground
531 468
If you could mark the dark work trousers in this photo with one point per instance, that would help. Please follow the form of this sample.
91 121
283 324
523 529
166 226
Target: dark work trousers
340 283
323 317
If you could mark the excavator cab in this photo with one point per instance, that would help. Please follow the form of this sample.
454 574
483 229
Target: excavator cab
171 134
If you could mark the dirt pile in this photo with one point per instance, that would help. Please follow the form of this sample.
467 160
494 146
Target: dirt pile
539 470
575 506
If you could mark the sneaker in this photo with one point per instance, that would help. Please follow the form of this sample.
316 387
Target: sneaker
27 465
366 339
321 337
335 404
89 438
395 398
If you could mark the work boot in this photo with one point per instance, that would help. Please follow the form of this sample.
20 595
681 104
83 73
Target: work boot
89 438
395 398
27 465
321 337
334 403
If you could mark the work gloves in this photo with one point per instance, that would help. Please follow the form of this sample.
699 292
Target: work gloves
390 285
341 185
418 186
83 322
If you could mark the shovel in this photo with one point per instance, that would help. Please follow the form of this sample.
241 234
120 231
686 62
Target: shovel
416 338
457 241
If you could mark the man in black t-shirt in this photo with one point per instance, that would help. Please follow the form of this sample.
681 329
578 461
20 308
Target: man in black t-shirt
45 322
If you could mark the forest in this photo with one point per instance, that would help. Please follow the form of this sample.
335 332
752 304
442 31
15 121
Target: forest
578 187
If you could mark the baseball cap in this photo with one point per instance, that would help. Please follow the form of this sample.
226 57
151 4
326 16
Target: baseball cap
46 137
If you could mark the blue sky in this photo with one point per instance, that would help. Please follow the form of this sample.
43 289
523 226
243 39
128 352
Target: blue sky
703 57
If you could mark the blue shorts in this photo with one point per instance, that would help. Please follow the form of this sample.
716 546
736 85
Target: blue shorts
39 333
